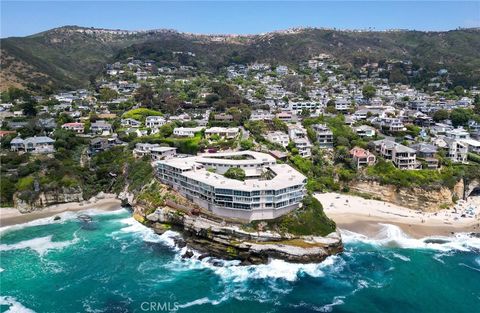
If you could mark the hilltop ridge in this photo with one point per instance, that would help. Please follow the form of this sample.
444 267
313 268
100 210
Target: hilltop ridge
70 56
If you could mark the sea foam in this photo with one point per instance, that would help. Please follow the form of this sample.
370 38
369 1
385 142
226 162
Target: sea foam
147 234
64 216
41 245
14 306
393 236
230 270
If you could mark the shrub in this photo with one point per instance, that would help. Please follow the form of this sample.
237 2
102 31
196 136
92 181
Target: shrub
25 183
140 114
235 173
307 220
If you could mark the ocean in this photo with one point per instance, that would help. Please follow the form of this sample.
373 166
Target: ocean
114 264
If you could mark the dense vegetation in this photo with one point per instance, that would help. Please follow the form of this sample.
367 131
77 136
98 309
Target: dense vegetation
386 173
108 171
308 220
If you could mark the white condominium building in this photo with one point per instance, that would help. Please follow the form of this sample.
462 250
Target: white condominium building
268 191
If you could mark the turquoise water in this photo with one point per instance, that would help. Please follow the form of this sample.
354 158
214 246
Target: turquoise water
114 264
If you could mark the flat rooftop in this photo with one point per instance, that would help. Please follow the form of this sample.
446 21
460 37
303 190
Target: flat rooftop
284 175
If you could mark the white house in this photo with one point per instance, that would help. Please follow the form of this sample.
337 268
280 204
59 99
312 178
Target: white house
365 131
187 131
224 132
130 122
278 137
457 150
402 156
342 104
457 133
324 136
76 127
154 121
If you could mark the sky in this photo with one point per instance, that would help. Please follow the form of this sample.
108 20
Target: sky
22 18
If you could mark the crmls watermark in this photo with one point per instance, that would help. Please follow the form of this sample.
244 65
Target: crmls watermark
159 306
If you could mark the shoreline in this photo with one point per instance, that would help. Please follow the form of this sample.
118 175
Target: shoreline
365 216
352 213
11 216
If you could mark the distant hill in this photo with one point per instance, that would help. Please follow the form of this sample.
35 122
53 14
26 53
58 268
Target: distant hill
69 56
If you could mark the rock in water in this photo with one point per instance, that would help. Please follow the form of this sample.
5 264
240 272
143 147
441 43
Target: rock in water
187 255
56 218
230 242
84 218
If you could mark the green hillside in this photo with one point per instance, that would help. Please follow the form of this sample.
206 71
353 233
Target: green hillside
69 56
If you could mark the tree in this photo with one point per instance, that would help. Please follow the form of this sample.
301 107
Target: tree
280 125
331 103
305 112
368 92
107 94
460 117
256 128
330 110
476 103
15 93
211 98
441 115
145 96
235 173
64 118
28 108
459 91
172 104
246 144
166 130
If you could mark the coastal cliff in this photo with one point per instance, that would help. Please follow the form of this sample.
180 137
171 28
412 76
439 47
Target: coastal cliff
417 198
306 236
32 201
229 241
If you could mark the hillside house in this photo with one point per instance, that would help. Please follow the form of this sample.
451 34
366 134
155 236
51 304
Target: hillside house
41 144
76 127
402 156
362 157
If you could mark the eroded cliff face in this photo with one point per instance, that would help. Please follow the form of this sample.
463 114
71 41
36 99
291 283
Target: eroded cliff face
229 241
424 199
46 198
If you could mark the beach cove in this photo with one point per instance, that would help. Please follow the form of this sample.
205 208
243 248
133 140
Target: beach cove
367 216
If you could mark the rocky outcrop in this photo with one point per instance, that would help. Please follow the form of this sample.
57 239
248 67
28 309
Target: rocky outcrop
417 198
46 198
229 241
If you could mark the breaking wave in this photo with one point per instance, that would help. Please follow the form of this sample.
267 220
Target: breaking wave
14 306
393 236
231 270
41 245
64 216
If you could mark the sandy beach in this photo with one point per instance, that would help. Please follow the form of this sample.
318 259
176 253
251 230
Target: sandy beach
105 202
366 216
